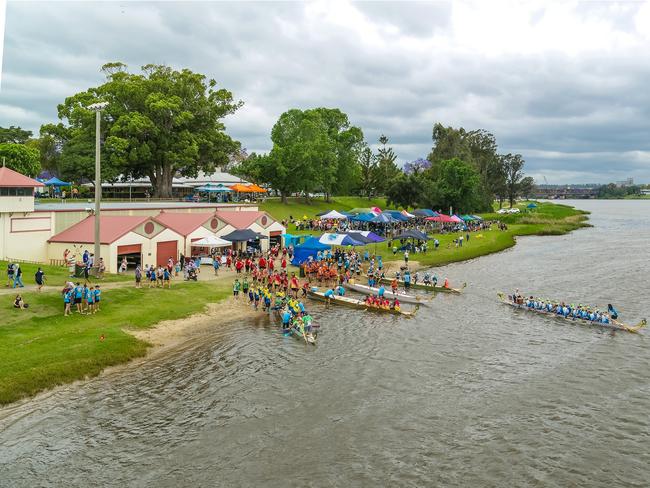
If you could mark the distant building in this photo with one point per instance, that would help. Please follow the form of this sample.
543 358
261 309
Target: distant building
626 182
645 191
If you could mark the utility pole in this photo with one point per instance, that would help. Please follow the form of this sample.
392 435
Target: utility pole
97 108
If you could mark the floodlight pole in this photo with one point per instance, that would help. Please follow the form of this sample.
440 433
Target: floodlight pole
97 108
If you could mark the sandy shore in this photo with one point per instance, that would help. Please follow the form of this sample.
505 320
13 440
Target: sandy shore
169 333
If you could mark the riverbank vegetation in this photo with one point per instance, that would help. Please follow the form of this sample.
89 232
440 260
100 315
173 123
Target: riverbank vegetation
40 348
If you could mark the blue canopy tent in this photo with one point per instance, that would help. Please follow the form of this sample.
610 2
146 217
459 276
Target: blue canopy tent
210 188
308 248
54 181
424 212
413 234
360 237
396 214
468 218
531 205
383 218
293 240
363 217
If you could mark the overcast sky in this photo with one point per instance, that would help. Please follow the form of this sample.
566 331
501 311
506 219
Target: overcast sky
565 84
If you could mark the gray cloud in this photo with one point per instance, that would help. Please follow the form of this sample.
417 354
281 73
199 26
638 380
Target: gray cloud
565 85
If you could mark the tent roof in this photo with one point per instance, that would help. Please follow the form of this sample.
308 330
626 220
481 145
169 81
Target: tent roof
54 181
13 179
396 214
441 218
313 244
384 219
338 240
243 235
333 214
256 188
238 187
424 212
211 241
413 234
365 217
357 236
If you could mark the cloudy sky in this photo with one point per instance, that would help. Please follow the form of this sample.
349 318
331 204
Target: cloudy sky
566 84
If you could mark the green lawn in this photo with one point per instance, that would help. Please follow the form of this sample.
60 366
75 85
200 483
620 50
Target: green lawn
57 275
39 348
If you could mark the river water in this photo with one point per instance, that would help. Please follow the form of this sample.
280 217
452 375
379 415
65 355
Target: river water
469 393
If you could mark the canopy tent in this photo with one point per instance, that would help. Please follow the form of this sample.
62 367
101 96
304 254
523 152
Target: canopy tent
243 235
441 218
456 218
54 181
366 217
396 214
239 188
531 205
370 235
334 215
211 241
383 218
424 212
338 240
308 248
357 236
413 234
477 217
363 210
256 188
406 214
212 188
293 240
467 218
376 210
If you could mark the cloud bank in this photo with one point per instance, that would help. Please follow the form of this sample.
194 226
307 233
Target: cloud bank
563 83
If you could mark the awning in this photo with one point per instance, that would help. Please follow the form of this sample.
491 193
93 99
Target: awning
333 214
413 234
211 241
243 235
338 240
56 182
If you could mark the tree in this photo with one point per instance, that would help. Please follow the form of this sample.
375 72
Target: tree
21 158
417 166
158 124
368 170
387 171
406 190
513 167
526 186
457 184
14 135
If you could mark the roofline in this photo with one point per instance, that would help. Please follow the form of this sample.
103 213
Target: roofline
155 218
36 209
145 217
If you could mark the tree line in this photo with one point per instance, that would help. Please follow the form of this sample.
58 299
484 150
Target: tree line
161 123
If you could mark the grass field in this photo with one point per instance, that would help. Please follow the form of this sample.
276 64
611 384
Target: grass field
40 348
57 275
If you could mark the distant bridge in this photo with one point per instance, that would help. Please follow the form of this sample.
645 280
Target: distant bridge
565 192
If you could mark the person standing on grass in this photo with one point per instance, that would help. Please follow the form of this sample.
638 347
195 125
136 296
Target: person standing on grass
67 300
98 296
39 277
18 276
235 288
152 276
167 278
216 262
10 274
78 290
406 256
138 276
90 300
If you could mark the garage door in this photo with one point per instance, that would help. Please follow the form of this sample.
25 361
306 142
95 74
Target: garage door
164 251
132 249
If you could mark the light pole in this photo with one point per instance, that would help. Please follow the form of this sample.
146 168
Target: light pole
97 108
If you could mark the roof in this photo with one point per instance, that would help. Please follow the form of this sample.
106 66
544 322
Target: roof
112 227
11 178
239 219
183 223
76 206
243 235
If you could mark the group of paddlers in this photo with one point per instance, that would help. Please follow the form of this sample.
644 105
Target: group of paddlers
566 310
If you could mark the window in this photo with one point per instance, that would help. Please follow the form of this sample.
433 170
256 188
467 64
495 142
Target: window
16 192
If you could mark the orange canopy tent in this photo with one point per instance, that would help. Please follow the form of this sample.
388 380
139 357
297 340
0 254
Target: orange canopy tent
256 189
239 188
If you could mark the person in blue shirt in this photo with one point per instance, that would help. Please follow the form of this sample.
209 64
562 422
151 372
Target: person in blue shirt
67 300
286 318
90 299
98 296
78 292
329 293
407 279
382 291
167 278
340 290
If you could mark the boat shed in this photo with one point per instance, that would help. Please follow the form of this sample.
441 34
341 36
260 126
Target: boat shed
142 240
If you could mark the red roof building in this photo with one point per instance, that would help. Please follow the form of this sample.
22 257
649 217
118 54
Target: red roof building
111 229
12 179
185 223
238 219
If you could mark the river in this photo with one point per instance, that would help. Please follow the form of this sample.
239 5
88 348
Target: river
469 393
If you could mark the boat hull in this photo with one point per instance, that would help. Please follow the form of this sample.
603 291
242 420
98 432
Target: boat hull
611 325
402 297
422 286
353 303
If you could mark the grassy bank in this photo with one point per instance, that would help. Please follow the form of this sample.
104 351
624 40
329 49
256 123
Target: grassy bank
58 275
39 348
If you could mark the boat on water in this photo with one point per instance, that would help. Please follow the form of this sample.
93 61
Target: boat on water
369 290
294 330
355 303
613 324
422 286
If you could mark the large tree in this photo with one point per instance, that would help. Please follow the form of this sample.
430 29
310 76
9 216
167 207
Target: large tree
456 184
387 170
158 123
368 172
21 158
513 167
14 135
